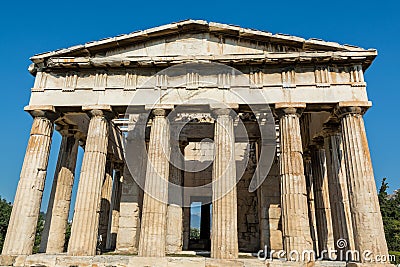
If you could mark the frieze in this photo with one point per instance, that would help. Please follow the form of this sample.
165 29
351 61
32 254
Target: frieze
263 77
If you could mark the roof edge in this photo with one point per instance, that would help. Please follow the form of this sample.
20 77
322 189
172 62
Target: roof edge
210 26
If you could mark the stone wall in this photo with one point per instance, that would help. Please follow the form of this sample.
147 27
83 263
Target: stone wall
270 210
248 223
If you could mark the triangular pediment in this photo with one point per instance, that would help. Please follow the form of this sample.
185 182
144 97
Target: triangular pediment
198 44
195 38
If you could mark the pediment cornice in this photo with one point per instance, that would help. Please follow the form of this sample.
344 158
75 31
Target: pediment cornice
113 51
364 58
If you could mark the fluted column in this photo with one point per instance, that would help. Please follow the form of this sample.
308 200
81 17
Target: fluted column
153 228
105 204
322 202
85 223
53 235
174 230
20 235
113 223
338 192
295 221
367 219
224 237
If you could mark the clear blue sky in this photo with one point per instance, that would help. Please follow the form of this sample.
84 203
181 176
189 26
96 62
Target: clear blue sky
31 27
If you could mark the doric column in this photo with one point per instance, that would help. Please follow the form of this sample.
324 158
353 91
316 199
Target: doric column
113 223
338 192
174 230
105 204
311 199
53 236
20 236
224 237
321 193
367 219
295 221
153 228
85 223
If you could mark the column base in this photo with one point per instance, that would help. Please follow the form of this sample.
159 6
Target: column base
127 251
8 260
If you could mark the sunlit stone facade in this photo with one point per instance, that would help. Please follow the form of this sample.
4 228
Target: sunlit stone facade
316 184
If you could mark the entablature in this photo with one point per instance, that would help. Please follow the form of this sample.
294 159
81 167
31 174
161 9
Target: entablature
261 76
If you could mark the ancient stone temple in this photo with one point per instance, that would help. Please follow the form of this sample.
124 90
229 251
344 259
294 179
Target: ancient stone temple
257 140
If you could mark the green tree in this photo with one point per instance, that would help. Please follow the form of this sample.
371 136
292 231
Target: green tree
5 212
390 209
194 233
39 230
383 195
67 235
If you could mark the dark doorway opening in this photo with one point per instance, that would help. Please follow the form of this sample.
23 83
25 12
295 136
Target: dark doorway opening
200 226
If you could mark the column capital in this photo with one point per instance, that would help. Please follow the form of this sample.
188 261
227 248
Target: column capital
223 109
159 112
352 107
288 111
42 111
282 109
99 111
109 115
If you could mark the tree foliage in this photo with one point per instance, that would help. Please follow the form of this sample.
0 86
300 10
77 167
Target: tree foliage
67 235
39 230
390 209
194 233
5 212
